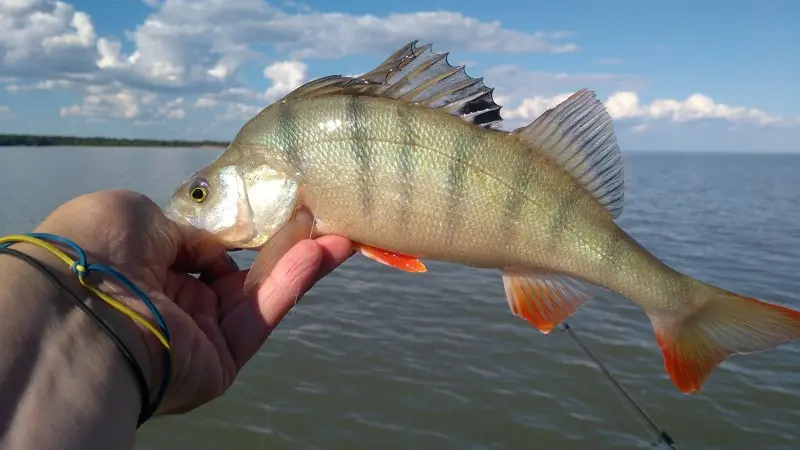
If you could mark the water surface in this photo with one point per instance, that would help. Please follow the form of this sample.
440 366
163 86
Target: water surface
377 358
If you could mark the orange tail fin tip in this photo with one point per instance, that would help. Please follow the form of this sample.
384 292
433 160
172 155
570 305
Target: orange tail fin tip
725 325
392 259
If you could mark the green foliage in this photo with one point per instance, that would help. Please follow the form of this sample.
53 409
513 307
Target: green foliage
32 140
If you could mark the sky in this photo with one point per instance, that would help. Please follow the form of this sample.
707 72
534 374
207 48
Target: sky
693 76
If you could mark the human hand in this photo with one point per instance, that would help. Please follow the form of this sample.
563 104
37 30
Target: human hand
215 328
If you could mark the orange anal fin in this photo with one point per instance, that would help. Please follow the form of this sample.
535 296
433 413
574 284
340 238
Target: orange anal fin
724 325
544 300
392 259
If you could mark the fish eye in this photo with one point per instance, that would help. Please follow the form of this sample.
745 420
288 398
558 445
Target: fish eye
198 191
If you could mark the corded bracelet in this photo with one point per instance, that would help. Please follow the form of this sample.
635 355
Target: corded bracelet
131 360
82 268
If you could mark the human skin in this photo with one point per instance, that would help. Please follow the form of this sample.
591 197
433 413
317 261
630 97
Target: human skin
65 385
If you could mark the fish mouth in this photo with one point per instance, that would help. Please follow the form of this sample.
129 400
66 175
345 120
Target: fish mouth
192 225
191 228
173 215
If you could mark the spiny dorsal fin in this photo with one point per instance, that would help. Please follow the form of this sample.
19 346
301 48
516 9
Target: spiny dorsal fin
417 75
578 136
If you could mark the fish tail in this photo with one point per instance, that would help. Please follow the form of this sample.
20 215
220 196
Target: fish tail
725 323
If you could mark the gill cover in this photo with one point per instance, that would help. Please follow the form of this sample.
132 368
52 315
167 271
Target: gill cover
240 205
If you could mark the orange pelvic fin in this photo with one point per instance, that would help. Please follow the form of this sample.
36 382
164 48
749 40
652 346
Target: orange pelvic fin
390 258
725 324
544 300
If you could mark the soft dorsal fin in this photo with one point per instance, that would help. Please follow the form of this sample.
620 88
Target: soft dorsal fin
417 75
578 136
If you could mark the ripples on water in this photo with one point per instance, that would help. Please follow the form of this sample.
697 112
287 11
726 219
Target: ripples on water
377 358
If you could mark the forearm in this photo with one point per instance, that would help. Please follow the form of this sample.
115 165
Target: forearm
63 383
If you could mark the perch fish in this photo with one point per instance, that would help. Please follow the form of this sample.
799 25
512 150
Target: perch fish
409 162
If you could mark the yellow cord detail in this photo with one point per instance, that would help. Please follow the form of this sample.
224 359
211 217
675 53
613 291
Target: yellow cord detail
81 270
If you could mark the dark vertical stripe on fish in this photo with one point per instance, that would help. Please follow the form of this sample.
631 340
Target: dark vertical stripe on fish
287 136
361 152
456 181
613 250
516 198
560 216
406 163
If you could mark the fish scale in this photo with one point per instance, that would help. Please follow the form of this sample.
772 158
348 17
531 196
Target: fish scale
409 163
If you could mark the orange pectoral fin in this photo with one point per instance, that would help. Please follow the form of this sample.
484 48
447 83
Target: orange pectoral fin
392 259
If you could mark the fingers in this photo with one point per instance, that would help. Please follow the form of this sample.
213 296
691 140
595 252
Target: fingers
335 251
219 267
250 323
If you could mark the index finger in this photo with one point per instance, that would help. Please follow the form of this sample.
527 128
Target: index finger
247 322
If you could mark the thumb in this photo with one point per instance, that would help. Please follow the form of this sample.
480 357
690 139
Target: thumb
249 324
196 250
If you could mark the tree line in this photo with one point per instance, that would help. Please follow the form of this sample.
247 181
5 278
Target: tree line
33 140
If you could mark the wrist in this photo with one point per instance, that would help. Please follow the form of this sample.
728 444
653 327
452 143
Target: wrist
97 247
145 348
148 349
66 371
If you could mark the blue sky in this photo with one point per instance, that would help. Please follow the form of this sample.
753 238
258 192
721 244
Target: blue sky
707 75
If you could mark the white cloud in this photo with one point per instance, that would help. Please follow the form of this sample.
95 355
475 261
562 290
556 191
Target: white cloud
240 112
189 54
531 108
200 45
5 112
333 35
36 32
40 86
204 102
102 103
515 82
110 55
623 105
285 77
626 104
119 105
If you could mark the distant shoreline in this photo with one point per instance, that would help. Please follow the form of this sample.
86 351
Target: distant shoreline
34 140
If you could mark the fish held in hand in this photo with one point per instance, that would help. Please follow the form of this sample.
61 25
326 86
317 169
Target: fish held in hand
409 162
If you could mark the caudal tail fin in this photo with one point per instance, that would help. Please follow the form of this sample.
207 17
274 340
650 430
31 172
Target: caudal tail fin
725 324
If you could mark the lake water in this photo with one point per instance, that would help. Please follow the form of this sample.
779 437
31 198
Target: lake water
377 358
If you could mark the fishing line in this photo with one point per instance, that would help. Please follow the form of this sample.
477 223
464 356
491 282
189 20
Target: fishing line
659 433
297 292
